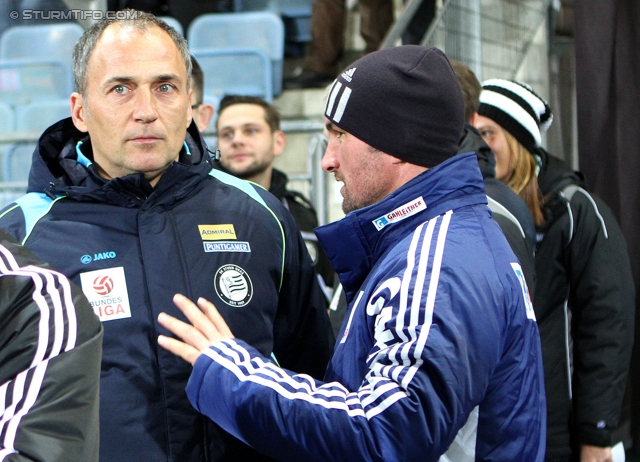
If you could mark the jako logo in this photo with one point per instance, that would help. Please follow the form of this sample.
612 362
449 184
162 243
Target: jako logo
86 259
103 285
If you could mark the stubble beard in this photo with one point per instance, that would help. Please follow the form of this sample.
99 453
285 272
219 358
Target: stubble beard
253 169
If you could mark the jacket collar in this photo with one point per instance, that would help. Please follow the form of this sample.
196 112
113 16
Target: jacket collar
471 141
355 243
555 174
60 167
278 183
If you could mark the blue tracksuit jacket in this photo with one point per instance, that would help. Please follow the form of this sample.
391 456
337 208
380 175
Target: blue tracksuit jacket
439 351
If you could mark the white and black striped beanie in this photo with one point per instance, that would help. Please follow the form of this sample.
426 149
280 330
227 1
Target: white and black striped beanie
516 108
404 101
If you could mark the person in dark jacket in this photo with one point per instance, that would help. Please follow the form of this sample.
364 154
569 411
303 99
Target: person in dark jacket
439 355
249 140
202 111
50 350
507 208
584 297
123 200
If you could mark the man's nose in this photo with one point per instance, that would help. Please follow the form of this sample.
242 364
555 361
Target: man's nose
329 162
145 109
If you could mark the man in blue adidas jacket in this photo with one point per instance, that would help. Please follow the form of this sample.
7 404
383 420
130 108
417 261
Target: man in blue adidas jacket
439 354
133 213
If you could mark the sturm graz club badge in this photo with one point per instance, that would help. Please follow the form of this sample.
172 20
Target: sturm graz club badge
233 285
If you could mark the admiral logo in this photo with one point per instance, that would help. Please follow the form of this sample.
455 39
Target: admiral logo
233 285
348 74
217 232
106 290
86 259
227 246
399 214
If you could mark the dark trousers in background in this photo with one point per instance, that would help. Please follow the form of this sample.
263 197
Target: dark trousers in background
327 31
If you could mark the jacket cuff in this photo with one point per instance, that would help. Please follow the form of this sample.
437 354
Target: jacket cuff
592 435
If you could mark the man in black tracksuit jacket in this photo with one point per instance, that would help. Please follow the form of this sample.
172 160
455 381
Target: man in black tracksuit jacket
50 348
133 222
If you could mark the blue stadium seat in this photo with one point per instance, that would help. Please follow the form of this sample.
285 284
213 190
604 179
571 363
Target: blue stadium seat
261 30
296 16
7 118
7 125
41 41
39 115
17 163
173 22
239 71
29 80
33 117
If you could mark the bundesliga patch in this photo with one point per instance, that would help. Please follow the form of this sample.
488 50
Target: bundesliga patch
227 246
217 232
399 214
106 290
233 285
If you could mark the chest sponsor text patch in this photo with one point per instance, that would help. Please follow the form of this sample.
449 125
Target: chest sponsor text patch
227 246
399 214
217 232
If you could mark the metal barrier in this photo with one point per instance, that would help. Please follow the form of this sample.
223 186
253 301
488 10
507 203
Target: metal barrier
491 37
316 178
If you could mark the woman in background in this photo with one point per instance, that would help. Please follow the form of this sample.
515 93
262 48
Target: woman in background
584 297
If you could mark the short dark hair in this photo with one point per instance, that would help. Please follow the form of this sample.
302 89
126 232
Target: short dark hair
127 18
470 87
197 78
271 114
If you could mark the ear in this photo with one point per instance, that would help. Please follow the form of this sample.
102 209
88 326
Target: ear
78 111
474 119
204 114
279 140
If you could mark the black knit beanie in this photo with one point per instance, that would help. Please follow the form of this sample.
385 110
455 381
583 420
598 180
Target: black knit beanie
404 101
516 108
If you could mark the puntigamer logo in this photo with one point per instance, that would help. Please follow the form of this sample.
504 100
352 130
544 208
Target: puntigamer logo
217 232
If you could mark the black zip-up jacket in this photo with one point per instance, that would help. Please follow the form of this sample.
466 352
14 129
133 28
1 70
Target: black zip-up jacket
584 303
307 220
50 349
131 247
